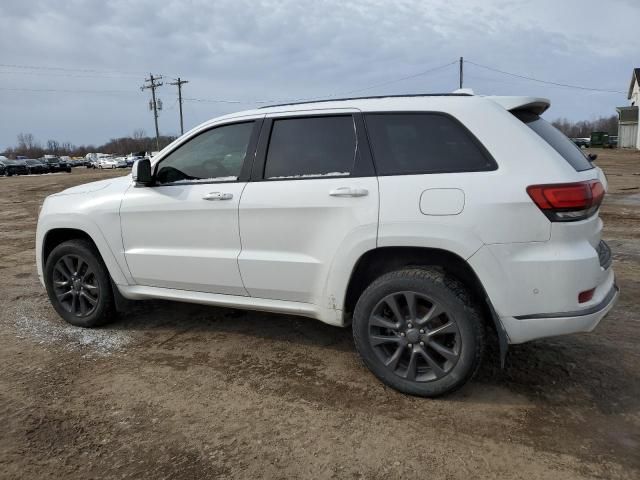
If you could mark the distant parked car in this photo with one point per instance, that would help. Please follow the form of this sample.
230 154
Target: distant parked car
111 162
36 166
603 139
15 167
3 167
106 162
582 142
132 157
57 165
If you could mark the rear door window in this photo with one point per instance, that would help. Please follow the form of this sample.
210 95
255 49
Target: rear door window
557 140
311 147
420 143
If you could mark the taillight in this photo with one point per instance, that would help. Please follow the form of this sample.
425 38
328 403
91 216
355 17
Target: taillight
566 202
585 296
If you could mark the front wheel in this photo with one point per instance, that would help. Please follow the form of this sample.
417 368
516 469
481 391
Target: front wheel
418 332
78 284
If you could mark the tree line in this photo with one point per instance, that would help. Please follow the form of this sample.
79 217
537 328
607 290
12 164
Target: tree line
27 145
583 128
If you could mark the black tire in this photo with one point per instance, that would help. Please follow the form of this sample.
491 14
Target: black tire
89 281
456 332
9 173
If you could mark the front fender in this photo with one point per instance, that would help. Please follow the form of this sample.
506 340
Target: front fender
92 209
82 223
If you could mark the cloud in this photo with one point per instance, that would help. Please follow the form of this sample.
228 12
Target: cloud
265 49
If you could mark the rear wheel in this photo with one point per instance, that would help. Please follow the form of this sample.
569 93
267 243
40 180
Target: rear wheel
417 331
78 284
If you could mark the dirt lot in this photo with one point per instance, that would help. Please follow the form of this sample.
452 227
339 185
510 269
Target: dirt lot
183 391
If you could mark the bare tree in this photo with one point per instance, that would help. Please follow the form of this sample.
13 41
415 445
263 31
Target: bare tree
139 134
583 128
28 146
139 142
53 146
26 141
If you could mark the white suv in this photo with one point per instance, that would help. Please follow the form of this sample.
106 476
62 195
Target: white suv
422 221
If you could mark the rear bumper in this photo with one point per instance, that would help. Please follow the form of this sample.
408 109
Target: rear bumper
530 327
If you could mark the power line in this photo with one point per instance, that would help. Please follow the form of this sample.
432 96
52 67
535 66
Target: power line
401 79
566 85
66 69
219 100
55 90
349 92
232 101
66 75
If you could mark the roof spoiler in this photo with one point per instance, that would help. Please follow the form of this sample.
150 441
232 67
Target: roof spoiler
537 105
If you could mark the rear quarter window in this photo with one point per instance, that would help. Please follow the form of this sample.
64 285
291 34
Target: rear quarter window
556 139
419 143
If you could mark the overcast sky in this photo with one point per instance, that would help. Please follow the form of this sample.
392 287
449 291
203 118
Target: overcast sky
95 55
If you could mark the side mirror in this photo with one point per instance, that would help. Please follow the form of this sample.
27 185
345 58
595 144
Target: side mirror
141 172
592 156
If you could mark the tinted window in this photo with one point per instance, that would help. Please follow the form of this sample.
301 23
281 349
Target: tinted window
414 143
311 147
554 137
215 155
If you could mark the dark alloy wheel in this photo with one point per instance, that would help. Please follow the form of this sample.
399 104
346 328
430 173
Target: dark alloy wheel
418 331
78 284
75 285
414 336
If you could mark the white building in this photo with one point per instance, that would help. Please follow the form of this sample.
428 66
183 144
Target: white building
628 132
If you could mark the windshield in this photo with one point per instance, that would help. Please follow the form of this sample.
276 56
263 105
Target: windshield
557 140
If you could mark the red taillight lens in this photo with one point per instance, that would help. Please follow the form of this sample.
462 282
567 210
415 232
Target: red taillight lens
586 295
565 202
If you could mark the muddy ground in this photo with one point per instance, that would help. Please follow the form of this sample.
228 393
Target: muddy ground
182 391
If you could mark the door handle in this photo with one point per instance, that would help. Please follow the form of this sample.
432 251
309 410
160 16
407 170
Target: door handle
218 196
349 192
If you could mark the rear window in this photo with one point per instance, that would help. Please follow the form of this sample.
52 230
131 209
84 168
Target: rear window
419 143
557 140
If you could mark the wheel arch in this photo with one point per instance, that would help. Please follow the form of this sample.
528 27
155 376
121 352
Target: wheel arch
56 236
376 262
53 235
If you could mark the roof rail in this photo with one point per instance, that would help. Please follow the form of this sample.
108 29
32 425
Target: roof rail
372 97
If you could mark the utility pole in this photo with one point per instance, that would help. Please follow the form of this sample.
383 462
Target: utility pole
179 83
153 83
461 73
